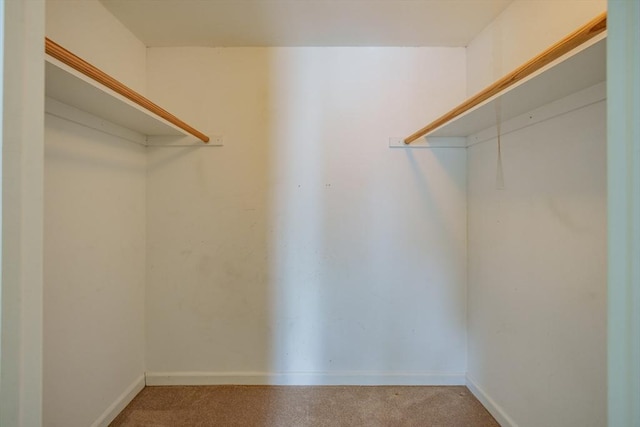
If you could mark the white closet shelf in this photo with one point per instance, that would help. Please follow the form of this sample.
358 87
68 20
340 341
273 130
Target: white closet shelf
70 87
124 107
575 63
580 71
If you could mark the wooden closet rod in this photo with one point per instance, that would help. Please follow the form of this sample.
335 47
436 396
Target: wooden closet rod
573 40
79 64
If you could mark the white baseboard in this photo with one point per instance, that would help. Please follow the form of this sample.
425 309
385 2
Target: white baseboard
120 403
304 378
494 409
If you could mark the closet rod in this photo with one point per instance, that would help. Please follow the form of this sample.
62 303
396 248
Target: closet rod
570 42
79 64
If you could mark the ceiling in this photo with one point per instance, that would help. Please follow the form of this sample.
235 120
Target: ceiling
305 22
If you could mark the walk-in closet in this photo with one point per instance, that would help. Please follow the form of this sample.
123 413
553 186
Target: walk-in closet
353 212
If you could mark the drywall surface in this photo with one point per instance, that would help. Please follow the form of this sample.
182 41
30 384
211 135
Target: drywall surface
537 271
305 250
88 29
522 31
94 271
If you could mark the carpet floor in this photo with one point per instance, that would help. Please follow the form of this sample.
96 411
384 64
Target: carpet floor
296 406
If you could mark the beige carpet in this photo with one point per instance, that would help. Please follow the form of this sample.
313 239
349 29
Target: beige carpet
263 406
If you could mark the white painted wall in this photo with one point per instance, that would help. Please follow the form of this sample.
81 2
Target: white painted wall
537 272
94 271
305 250
94 251
537 250
520 32
88 29
22 170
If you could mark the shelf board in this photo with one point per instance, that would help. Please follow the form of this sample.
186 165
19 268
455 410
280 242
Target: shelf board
572 64
66 85
580 69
